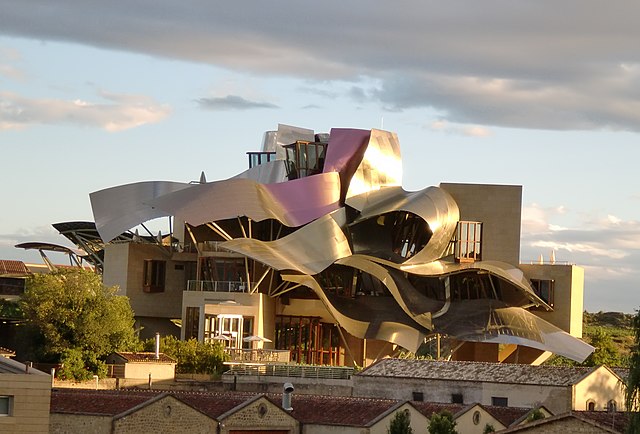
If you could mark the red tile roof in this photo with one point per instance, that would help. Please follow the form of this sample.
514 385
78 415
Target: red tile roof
336 410
14 268
97 402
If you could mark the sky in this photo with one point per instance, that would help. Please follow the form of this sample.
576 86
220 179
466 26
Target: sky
541 94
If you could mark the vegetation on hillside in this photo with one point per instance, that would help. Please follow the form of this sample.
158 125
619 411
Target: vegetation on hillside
611 333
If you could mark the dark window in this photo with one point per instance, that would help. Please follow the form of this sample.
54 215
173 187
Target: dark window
591 406
468 241
612 406
191 323
544 289
154 275
418 396
456 398
499 401
6 404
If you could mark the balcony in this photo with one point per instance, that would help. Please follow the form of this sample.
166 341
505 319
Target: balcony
297 371
241 355
217 286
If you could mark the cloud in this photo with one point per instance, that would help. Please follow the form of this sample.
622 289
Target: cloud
117 113
232 102
607 247
8 57
465 130
507 64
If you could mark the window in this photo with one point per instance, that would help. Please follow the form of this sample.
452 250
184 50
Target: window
154 275
418 396
6 404
544 289
258 158
591 405
468 241
499 401
456 398
192 322
612 406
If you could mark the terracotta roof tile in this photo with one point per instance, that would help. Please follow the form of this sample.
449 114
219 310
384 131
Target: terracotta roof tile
477 372
13 268
337 410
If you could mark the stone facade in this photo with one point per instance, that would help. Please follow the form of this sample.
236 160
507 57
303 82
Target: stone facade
258 413
75 423
165 415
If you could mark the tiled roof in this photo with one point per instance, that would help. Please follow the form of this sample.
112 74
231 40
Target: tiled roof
97 402
429 408
115 402
623 373
314 409
145 357
580 415
336 410
13 268
506 415
477 372
617 420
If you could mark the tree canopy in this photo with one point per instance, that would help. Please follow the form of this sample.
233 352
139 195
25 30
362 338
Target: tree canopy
633 381
442 423
76 316
401 423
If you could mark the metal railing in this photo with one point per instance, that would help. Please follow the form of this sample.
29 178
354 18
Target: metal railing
298 371
212 246
217 286
241 355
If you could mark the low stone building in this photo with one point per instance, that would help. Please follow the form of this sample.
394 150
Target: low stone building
559 389
24 398
142 366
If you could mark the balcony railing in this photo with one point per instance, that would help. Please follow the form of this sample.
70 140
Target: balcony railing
299 371
212 246
240 355
217 286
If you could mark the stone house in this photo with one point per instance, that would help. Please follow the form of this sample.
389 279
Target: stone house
142 366
136 411
24 398
559 389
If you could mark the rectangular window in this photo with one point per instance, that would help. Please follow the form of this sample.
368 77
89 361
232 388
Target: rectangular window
154 275
456 398
468 241
499 401
544 289
6 404
418 396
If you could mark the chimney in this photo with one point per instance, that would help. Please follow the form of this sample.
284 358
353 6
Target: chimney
286 396
157 345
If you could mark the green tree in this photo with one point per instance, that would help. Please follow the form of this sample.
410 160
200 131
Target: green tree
401 423
536 414
488 429
605 352
633 380
442 423
192 357
75 315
